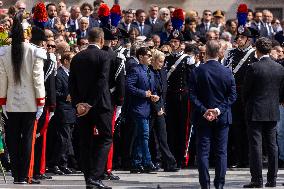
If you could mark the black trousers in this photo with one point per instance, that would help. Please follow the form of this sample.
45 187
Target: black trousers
19 132
177 123
238 139
63 145
256 130
94 148
128 133
159 132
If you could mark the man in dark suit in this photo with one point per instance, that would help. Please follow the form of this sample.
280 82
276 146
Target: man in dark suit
82 32
143 28
262 93
117 86
153 21
212 92
65 118
140 85
258 24
128 22
89 90
206 24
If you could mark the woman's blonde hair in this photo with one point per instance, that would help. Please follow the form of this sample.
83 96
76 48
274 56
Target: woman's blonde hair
157 54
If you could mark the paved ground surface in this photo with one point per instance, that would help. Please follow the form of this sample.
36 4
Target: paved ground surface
180 180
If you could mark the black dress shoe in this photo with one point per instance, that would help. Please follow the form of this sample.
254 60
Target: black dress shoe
97 184
149 168
56 170
42 177
253 185
139 169
20 181
110 176
270 184
171 169
66 170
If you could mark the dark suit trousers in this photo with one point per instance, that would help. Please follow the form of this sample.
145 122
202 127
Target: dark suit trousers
256 130
159 132
177 123
218 136
19 131
128 135
94 148
63 144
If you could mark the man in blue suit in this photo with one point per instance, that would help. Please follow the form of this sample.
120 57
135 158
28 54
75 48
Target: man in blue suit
140 87
212 92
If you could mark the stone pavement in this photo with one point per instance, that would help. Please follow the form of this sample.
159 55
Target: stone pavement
181 180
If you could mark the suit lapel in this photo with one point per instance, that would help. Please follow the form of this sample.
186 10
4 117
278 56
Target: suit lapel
64 74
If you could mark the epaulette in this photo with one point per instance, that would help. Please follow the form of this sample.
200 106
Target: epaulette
40 53
3 50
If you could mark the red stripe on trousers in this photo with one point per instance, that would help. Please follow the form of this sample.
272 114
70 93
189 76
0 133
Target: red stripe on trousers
31 167
43 133
187 134
110 154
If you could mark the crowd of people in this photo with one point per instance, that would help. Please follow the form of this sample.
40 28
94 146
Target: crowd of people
92 88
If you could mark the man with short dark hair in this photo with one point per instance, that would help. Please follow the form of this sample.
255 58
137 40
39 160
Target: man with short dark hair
144 29
263 91
212 92
89 91
52 14
258 24
128 21
206 24
140 85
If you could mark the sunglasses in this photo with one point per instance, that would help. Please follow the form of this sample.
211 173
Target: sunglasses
165 52
53 46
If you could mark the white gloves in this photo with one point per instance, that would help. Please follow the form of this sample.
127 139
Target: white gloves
39 112
4 110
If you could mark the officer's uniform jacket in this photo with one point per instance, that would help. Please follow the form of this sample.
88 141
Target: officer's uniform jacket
231 60
24 97
178 80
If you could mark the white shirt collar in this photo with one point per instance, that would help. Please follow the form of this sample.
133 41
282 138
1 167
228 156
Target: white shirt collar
93 44
65 70
153 20
210 59
264 56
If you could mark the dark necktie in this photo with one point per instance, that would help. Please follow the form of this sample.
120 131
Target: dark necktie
206 27
141 29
